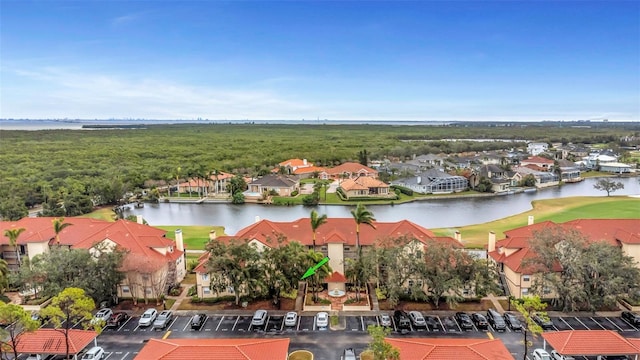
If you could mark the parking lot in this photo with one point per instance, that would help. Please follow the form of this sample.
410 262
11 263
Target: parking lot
124 342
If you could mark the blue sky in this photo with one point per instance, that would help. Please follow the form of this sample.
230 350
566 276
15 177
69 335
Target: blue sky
347 60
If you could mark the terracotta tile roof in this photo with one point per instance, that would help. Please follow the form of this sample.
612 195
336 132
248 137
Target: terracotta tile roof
362 183
336 277
589 342
334 230
295 163
351 167
84 233
537 159
309 169
51 341
447 349
215 349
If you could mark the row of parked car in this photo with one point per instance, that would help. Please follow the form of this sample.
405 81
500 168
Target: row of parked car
499 322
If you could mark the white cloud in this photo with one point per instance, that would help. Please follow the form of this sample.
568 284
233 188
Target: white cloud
121 20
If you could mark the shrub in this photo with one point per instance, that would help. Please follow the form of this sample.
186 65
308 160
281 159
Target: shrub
192 291
381 294
294 193
402 189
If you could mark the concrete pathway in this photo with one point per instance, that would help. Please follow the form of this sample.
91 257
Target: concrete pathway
495 302
179 299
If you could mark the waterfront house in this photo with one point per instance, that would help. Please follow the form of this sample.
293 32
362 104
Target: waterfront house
542 163
292 165
351 170
433 181
280 185
363 187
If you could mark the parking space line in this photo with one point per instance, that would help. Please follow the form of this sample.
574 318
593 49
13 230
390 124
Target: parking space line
588 328
362 322
217 327
125 323
630 324
614 324
570 327
441 324
236 323
594 320
189 322
298 324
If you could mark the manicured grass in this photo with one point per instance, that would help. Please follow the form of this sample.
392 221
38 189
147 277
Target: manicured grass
556 210
105 214
195 237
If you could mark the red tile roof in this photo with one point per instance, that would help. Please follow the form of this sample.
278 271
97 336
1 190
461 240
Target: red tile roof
362 183
215 349
334 230
537 159
51 341
295 163
84 233
309 169
336 277
447 349
351 167
589 342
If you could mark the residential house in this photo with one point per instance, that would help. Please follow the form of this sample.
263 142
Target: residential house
500 178
282 185
510 254
427 161
351 170
292 165
311 171
433 182
153 262
596 159
215 349
615 167
569 171
335 239
442 348
213 184
540 162
537 148
364 187
543 178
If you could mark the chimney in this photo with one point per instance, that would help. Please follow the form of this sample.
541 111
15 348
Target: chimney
458 236
419 180
257 219
179 240
530 220
491 246
212 235
139 219
304 161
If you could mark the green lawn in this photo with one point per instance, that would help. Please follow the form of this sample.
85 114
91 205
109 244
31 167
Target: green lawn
557 210
105 214
195 237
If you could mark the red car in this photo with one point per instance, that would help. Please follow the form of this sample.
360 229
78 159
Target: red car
117 319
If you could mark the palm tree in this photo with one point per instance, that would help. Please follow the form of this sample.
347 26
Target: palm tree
13 234
58 226
316 222
362 216
4 276
215 173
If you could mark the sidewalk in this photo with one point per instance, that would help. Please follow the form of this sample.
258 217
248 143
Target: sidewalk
496 303
181 297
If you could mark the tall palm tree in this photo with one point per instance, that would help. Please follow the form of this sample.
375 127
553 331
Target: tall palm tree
316 222
362 216
13 234
58 226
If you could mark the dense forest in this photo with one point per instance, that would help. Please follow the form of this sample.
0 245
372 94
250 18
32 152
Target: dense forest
97 166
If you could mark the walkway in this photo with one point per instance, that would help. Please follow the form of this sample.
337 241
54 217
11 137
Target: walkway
495 302
179 299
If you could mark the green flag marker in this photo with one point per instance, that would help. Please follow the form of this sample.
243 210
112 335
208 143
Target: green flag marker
312 270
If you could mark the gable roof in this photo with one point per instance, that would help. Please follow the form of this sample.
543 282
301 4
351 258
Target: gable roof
362 183
215 349
276 180
350 167
309 169
446 349
51 341
537 160
589 342
296 163
340 229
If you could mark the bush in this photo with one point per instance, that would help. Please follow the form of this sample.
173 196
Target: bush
402 189
175 291
192 291
381 294
294 193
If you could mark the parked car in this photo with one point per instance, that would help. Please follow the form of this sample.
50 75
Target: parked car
95 353
512 321
322 319
117 319
348 354
544 322
449 324
402 320
385 320
417 319
433 323
163 320
259 318
556 356
102 316
540 354
34 357
632 318
464 320
198 320
148 317
496 320
291 319
480 321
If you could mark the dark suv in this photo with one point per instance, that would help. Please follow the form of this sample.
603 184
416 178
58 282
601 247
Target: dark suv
480 321
402 320
464 320
496 320
632 318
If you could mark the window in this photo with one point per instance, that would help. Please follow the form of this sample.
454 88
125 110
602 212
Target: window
525 291
125 289
206 290
410 283
419 254
546 290
346 248
526 278
148 290
23 250
230 289
205 277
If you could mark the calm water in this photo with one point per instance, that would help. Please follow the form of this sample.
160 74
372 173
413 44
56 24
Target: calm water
430 214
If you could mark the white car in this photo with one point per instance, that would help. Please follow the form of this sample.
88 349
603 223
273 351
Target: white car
148 317
417 319
541 354
291 319
322 319
385 320
95 353
102 316
556 356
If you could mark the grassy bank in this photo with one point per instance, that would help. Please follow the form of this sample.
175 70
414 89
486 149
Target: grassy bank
195 237
557 210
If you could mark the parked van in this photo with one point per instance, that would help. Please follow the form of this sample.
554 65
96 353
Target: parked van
95 353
